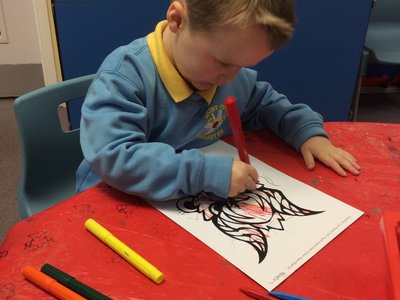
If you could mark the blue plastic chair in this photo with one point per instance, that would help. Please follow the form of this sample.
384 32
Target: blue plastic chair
50 155
382 42
383 33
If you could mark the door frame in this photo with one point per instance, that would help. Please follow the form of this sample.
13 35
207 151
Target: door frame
47 41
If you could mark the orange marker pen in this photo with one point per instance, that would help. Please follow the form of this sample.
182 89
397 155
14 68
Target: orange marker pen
49 284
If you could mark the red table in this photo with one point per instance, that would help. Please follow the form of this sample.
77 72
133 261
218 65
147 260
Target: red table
352 266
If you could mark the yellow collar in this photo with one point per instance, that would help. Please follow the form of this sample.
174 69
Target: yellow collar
173 81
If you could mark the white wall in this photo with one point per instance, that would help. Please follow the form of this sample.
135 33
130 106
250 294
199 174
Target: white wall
23 46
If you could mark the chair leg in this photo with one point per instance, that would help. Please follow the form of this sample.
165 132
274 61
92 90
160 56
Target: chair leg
356 95
356 99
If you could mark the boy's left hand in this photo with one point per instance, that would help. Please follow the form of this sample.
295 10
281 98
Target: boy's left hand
321 148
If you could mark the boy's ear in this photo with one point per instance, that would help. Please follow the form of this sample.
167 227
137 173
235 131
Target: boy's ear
176 16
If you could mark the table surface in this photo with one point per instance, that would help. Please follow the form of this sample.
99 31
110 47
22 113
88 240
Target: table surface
352 266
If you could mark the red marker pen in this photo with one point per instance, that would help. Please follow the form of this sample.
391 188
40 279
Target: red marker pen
397 229
237 130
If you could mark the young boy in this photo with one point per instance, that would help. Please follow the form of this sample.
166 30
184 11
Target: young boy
155 101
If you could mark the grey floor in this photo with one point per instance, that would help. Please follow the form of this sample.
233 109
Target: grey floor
10 162
375 106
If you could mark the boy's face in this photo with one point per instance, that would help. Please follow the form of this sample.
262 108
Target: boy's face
207 59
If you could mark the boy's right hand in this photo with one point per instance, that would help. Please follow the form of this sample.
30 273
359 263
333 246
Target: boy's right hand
244 177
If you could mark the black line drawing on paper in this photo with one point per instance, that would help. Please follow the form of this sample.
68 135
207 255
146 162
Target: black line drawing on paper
247 217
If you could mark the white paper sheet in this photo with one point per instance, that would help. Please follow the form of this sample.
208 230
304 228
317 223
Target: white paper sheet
266 234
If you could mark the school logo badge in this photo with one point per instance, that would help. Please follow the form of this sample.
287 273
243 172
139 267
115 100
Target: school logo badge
215 116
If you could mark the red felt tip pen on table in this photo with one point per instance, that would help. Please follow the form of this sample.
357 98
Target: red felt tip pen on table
397 230
390 226
237 130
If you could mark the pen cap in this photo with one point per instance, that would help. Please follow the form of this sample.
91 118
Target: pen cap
70 282
49 284
230 100
37 277
97 229
60 276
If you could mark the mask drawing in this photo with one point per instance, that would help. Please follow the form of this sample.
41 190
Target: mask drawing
247 217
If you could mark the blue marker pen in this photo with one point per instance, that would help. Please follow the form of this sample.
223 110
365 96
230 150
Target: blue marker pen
286 296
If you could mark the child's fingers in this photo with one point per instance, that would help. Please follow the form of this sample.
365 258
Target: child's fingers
351 165
253 174
337 168
251 184
340 162
309 159
347 161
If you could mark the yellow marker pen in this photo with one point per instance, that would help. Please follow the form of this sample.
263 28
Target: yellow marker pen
127 253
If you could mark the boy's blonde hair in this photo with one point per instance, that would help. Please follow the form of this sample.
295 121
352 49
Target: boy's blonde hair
277 17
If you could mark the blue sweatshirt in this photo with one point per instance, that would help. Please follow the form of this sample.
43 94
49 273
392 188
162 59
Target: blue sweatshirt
142 124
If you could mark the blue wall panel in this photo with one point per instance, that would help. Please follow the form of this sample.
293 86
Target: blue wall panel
88 31
319 65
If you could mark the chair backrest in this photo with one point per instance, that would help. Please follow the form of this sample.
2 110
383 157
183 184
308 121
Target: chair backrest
386 11
383 33
50 155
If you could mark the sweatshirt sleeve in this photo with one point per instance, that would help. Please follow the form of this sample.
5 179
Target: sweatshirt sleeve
294 123
114 139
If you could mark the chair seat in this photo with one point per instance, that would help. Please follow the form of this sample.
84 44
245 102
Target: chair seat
383 38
